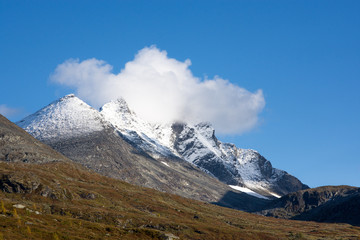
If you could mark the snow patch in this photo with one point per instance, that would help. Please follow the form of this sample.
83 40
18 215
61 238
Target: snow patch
165 164
275 195
248 191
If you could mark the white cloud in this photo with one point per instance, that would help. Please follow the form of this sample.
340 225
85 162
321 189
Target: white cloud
163 89
7 111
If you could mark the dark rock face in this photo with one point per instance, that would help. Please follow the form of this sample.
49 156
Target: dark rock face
323 204
16 183
265 167
209 161
344 209
23 183
287 184
217 168
230 164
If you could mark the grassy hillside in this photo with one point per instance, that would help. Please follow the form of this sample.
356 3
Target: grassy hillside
65 201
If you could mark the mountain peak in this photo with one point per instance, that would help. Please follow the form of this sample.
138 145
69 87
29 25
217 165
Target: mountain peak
66 117
71 95
66 99
118 113
207 130
119 105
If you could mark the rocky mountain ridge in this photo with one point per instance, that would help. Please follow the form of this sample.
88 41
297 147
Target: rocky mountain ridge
70 118
104 149
198 145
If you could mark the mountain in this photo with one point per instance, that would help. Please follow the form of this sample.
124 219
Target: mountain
82 133
322 204
63 119
59 199
68 123
243 169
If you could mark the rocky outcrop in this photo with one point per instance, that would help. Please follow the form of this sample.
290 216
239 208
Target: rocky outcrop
28 184
191 148
323 204
343 209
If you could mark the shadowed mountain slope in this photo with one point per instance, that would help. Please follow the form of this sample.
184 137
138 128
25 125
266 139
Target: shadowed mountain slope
19 146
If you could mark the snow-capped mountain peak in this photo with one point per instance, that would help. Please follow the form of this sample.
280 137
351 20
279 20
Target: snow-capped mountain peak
197 144
151 138
205 129
67 117
118 113
118 105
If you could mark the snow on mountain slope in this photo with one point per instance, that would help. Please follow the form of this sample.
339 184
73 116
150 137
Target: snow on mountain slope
151 138
256 172
198 145
64 118
231 165
248 191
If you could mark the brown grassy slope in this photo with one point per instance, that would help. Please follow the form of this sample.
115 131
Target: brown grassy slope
84 205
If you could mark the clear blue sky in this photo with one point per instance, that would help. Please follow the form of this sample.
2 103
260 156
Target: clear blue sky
304 55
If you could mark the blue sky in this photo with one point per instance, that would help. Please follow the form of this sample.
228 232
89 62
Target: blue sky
304 55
